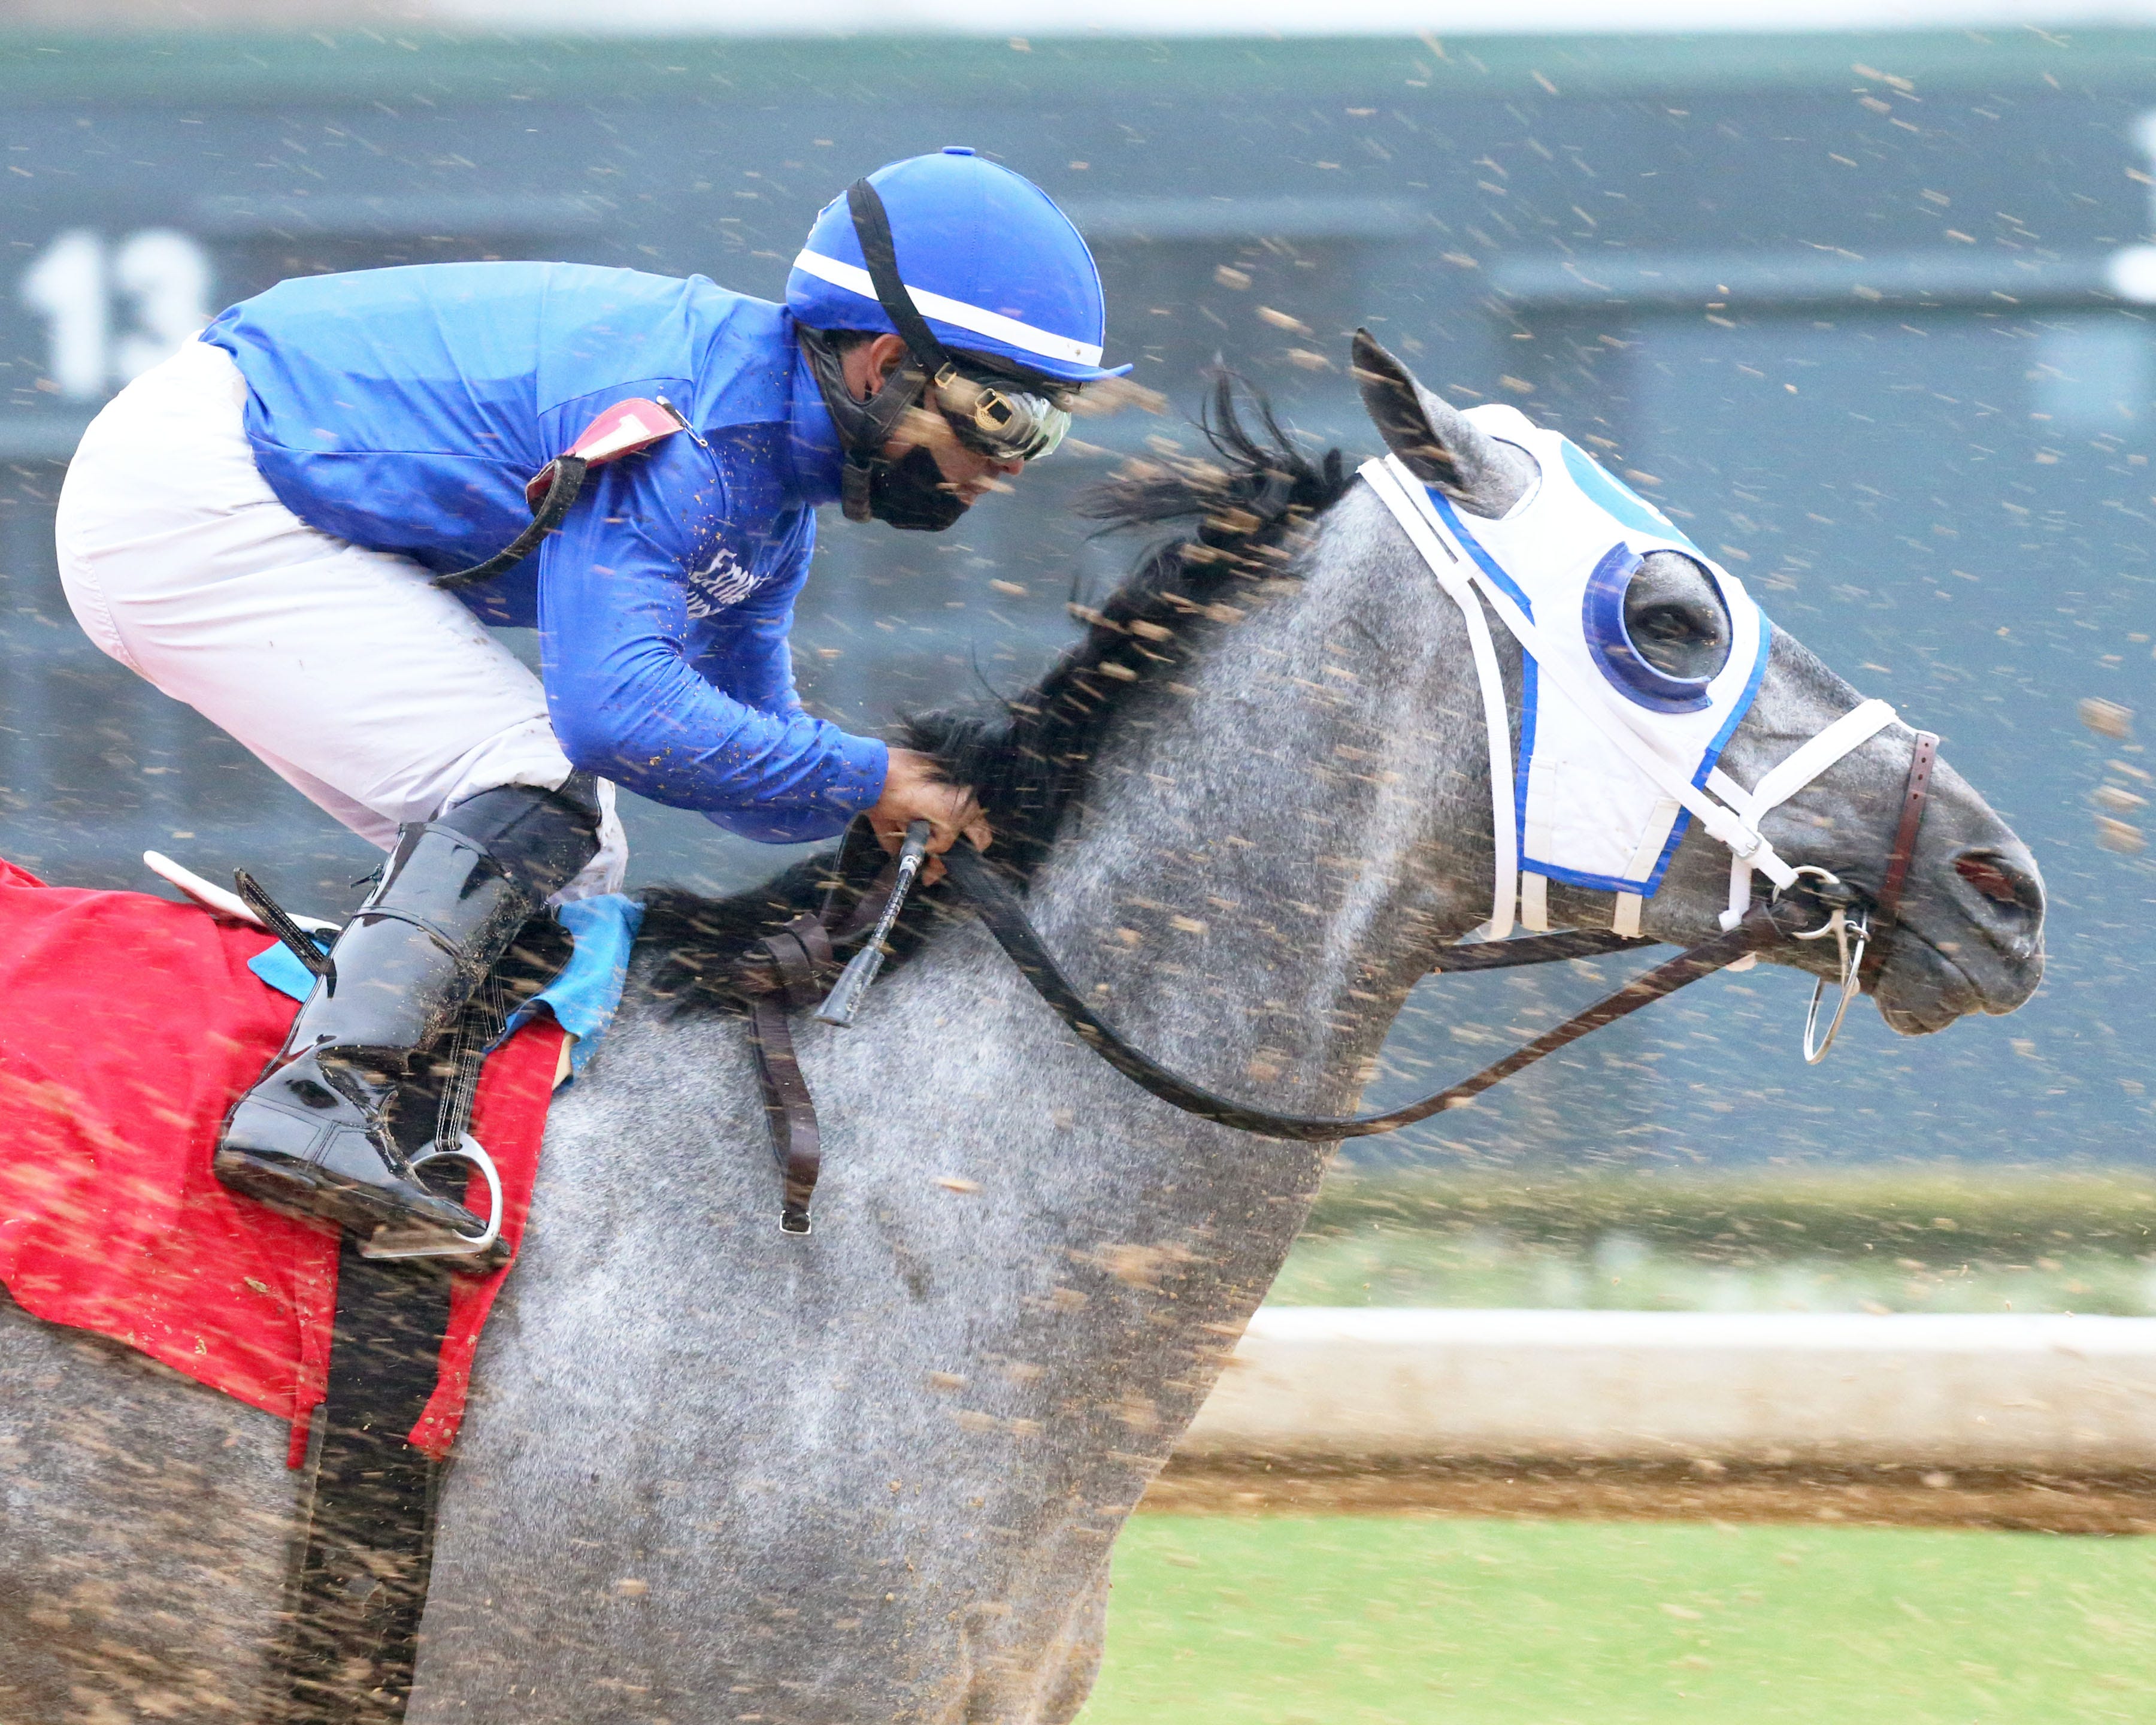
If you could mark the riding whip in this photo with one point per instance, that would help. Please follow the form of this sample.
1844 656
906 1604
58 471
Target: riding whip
844 999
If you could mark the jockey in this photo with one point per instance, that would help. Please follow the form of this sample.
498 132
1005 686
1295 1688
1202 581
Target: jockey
297 524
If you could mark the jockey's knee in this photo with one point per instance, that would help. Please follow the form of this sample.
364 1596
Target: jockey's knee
540 838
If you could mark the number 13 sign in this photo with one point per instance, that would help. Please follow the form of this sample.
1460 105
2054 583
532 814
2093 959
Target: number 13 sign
163 276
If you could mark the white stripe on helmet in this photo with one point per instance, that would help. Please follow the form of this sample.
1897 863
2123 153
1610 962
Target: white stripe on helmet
955 312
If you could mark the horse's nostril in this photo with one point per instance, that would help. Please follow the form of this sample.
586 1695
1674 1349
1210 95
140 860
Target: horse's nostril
1999 881
1986 876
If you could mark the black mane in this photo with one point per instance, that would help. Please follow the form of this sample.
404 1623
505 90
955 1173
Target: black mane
1030 762
1254 497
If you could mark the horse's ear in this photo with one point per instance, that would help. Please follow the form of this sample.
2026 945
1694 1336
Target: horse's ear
1438 445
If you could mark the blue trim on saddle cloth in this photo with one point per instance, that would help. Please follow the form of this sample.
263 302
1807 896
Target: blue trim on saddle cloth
582 999
277 966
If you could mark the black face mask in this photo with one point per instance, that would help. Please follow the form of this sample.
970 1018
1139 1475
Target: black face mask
910 493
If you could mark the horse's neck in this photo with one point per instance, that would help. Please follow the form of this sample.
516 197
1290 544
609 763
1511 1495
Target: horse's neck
1254 878
1251 878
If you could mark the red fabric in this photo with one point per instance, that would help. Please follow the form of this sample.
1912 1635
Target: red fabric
130 1025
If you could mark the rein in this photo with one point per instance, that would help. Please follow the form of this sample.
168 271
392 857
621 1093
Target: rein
1003 915
1005 919
785 972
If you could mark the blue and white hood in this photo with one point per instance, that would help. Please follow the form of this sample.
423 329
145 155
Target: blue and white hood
1563 559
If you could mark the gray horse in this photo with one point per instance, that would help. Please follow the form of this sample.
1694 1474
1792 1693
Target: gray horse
714 1472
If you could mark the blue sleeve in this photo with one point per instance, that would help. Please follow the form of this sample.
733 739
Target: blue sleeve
628 674
748 654
745 648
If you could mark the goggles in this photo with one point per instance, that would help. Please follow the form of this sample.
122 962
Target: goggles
999 419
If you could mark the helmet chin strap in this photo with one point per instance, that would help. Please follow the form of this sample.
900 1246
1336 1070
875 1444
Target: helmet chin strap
872 228
910 492
864 427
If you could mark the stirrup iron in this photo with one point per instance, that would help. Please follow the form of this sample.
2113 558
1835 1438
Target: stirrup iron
383 1244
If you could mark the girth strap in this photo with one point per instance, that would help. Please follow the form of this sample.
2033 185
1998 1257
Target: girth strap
1005 919
352 1633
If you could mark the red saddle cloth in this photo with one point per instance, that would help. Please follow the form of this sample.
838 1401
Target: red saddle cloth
129 1024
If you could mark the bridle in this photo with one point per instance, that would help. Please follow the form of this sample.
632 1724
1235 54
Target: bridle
788 969
1862 937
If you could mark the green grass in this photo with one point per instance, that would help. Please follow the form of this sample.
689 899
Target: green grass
1400 1266
1935 1214
1876 1240
1410 1620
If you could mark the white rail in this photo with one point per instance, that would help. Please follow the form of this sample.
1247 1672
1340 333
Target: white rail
2010 1390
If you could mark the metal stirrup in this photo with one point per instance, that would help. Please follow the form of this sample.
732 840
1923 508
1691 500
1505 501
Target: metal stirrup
478 1026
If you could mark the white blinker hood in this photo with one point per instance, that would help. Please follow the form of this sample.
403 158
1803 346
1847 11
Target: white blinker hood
1615 757
1562 556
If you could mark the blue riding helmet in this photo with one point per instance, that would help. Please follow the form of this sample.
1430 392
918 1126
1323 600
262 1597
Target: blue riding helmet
993 264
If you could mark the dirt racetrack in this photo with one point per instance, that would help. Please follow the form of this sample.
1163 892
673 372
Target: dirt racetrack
1707 1490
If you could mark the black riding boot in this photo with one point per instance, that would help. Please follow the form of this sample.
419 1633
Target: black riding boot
313 1135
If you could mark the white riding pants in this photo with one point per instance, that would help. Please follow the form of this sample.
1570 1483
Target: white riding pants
377 696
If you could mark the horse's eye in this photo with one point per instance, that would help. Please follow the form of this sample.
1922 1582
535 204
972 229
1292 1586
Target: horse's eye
1668 625
1675 618
1658 627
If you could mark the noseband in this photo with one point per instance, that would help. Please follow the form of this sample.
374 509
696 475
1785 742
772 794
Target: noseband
1862 940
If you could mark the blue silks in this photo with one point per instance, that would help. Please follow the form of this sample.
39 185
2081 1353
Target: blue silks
582 999
403 410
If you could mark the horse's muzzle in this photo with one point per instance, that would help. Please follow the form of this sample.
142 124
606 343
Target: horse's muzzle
1971 941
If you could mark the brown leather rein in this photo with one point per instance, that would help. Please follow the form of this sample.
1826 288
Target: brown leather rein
789 970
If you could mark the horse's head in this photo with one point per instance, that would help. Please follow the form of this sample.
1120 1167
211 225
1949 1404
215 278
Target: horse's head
1969 935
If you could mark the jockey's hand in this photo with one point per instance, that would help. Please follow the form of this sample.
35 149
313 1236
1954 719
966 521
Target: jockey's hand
914 789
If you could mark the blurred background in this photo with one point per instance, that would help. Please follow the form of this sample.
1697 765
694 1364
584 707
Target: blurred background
1868 311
